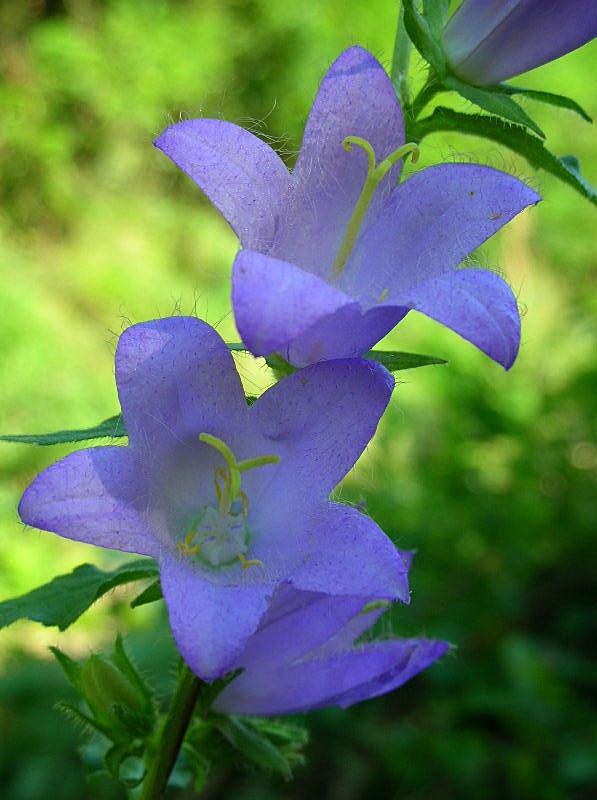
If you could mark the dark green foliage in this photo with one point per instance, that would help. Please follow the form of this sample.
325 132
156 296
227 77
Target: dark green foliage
111 428
62 601
394 361
514 137
498 103
557 100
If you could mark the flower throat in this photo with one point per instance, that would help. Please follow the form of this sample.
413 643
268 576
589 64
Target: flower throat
220 536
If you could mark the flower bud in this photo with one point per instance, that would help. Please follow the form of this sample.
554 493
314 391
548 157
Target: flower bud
105 687
488 41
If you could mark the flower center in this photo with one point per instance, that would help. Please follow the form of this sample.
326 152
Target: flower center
219 535
375 174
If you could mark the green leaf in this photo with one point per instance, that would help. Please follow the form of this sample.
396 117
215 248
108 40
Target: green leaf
252 745
394 360
436 14
496 103
558 100
421 35
512 136
149 595
111 428
62 601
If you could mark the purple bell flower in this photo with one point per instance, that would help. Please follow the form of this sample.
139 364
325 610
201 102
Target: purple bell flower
231 500
336 253
488 41
303 657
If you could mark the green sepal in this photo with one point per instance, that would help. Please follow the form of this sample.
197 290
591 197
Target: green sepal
496 102
149 595
253 745
279 366
422 36
513 136
126 666
71 668
111 428
82 720
558 100
394 360
436 13
62 601
211 691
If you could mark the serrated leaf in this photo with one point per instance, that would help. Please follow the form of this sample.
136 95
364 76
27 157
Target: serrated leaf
252 745
497 103
512 136
394 360
559 100
111 428
62 601
421 36
149 595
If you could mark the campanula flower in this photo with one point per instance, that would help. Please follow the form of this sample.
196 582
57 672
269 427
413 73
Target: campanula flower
488 41
303 656
335 253
231 500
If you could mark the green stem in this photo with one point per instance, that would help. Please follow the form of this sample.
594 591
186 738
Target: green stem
171 735
401 59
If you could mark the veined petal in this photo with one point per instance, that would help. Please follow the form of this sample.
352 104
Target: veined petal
275 301
338 680
475 303
297 623
355 98
340 551
279 307
487 41
176 379
242 176
95 496
428 226
319 420
210 622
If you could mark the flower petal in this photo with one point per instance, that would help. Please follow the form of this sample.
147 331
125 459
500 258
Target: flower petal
95 496
210 622
296 623
487 41
341 680
475 303
355 98
242 176
319 420
344 552
274 301
280 308
176 378
428 226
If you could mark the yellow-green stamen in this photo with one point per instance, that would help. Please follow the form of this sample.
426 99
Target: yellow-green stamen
231 474
375 174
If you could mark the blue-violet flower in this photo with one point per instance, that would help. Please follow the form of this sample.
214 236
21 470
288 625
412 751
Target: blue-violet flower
231 500
335 253
303 656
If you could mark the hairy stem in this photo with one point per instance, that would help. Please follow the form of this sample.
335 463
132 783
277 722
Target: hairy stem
171 735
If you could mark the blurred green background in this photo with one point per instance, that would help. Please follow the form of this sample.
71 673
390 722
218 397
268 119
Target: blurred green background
489 476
